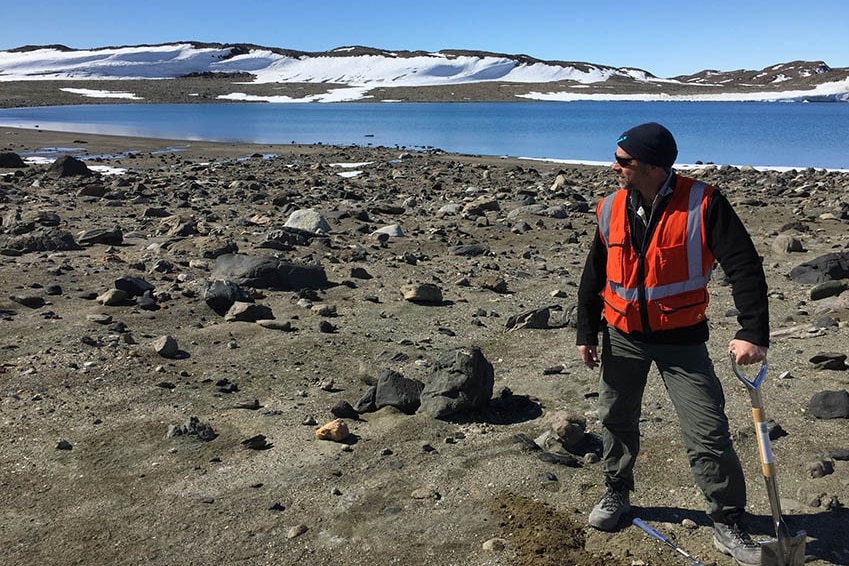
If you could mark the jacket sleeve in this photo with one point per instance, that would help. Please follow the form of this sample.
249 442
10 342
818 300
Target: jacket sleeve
593 280
732 246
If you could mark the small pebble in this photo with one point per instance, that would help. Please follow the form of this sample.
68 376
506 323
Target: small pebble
297 531
495 545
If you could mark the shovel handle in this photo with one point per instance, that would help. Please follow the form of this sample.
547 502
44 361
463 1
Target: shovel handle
750 383
650 530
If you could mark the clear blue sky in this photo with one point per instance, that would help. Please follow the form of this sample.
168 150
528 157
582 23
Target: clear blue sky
665 38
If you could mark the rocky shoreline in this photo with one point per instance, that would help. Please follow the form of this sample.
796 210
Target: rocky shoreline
152 414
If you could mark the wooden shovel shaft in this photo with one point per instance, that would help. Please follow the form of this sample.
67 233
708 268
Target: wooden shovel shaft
789 550
764 444
768 468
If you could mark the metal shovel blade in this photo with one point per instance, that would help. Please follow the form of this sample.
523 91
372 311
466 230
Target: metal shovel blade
788 550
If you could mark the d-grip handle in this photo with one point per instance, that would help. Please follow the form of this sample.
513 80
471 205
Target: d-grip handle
751 383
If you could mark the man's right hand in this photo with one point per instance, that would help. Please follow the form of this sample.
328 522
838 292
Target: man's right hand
589 355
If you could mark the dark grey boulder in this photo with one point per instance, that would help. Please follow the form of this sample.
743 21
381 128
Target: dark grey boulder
392 390
343 410
16 222
830 288
133 286
470 250
287 237
460 380
840 454
40 240
94 190
826 267
106 236
31 301
830 404
829 360
264 272
11 160
220 295
536 318
68 166
148 302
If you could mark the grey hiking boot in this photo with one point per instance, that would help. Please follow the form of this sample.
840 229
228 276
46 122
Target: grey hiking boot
734 541
606 514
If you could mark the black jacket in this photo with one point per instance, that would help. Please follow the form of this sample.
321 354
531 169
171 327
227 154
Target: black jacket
730 243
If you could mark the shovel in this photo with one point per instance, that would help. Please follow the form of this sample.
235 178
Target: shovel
789 550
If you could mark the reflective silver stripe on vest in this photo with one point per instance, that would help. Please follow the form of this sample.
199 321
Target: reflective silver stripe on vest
604 218
662 291
696 279
694 230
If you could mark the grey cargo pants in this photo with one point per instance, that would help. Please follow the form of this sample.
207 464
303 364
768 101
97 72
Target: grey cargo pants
696 394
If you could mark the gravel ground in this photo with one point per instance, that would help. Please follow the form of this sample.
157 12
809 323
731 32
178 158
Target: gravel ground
90 476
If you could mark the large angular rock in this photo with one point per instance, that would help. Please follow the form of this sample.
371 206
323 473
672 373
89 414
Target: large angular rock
421 293
248 312
826 267
461 380
830 404
133 286
106 236
11 160
308 219
40 240
221 295
392 390
68 166
265 272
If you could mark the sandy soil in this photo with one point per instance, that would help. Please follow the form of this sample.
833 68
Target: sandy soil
403 488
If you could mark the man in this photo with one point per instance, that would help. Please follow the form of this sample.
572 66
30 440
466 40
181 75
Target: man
645 287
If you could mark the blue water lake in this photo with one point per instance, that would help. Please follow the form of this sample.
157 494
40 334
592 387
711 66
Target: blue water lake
738 133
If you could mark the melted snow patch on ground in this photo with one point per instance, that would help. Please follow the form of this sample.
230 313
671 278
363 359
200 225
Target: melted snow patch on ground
354 169
333 95
90 93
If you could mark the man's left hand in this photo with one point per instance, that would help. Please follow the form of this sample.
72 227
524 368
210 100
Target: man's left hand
746 352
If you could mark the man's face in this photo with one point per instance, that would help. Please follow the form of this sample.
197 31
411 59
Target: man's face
631 172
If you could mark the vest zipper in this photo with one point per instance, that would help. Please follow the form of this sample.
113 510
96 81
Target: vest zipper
648 229
641 292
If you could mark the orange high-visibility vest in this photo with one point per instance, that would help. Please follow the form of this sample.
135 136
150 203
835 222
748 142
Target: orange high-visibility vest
666 287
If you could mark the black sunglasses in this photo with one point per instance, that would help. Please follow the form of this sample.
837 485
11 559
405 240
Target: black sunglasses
624 161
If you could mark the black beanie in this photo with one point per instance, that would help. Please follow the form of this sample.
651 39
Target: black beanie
650 143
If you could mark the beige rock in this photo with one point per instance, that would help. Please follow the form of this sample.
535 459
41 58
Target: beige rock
569 429
112 297
166 346
495 545
421 293
335 430
296 531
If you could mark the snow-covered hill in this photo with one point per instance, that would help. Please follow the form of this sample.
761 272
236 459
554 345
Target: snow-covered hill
363 68
355 66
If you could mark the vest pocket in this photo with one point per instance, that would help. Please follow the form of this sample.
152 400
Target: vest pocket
671 259
683 309
617 256
620 313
